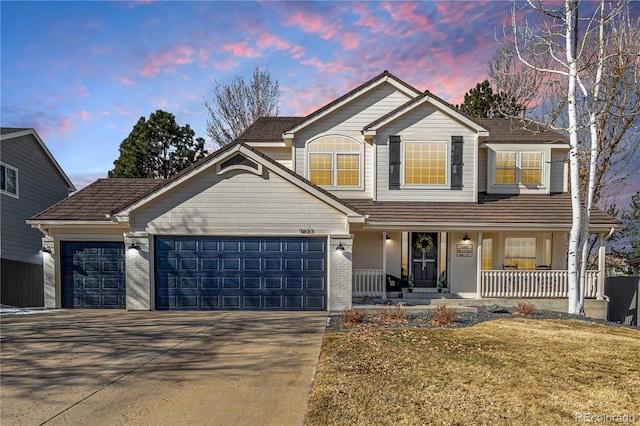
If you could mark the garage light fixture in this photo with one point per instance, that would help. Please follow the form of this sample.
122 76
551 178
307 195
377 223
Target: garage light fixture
340 247
135 245
466 238
45 250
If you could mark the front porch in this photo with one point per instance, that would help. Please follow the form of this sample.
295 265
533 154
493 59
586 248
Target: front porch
492 284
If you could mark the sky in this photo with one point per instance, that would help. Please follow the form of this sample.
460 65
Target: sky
83 73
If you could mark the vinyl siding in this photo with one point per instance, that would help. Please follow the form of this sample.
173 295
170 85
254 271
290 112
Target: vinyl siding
349 121
281 155
238 203
39 186
426 123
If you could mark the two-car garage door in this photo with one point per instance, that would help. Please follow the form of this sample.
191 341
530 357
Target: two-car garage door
240 273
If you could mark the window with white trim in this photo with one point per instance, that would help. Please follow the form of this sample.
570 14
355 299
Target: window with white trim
520 253
487 254
334 161
8 180
512 168
425 163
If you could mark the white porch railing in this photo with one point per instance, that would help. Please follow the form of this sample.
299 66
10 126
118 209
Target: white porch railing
533 284
368 282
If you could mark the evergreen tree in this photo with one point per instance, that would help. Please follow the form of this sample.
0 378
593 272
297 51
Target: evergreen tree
157 148
481 102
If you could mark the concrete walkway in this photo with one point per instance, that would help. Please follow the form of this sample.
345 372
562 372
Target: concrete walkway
118 367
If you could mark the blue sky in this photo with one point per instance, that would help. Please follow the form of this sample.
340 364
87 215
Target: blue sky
83 73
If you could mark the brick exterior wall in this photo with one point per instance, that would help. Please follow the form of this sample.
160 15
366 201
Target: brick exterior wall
340 272
49 273
139 291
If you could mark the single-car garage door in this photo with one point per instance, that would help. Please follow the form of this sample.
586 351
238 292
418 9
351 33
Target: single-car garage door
93 275
241 273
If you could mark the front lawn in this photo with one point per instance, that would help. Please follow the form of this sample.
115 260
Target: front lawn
507 371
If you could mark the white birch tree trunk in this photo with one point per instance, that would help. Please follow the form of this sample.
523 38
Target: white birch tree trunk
574 166
593 106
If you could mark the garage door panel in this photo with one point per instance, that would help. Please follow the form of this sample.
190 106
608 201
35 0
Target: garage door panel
251 283
93 275
251 264
316 245
242 273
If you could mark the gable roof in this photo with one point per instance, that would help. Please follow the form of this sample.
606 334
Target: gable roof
108 197
426 97
384 77
7 133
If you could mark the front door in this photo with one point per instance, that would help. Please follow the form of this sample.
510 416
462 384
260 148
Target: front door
424 264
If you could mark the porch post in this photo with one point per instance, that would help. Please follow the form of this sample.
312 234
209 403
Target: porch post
384 265
602 252
479 268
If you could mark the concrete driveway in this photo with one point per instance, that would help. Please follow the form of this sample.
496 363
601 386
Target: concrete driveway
118 367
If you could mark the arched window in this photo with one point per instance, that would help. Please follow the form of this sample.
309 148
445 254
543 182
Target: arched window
334 161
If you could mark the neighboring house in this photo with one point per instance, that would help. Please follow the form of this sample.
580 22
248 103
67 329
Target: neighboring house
30 181
309 212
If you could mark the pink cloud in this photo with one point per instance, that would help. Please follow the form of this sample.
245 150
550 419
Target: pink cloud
350 40
241 49
312 23
406 12
127 81
270 41
65 125
167 58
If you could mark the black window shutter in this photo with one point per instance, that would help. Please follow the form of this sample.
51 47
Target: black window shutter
394 162
456 162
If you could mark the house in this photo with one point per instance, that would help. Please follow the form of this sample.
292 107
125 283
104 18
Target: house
30 181
312 212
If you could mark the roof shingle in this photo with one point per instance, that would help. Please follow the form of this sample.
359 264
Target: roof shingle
490 209
96 201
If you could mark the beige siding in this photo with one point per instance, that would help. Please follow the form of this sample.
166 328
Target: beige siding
281 155
427 124
367 250
238 203
482 170
559 171
349 121
462 270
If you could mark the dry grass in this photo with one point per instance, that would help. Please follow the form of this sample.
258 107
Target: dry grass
443 315
524 308
503 372
395 315
352 316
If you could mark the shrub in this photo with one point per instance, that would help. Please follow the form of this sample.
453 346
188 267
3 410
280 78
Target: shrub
393 315
443 315
524 308
352 316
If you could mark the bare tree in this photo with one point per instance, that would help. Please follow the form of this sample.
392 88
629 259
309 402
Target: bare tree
236 106
544 95
560 65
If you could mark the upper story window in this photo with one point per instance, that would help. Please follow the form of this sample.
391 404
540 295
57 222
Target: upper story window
8 180
334 161
519 167
425 163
